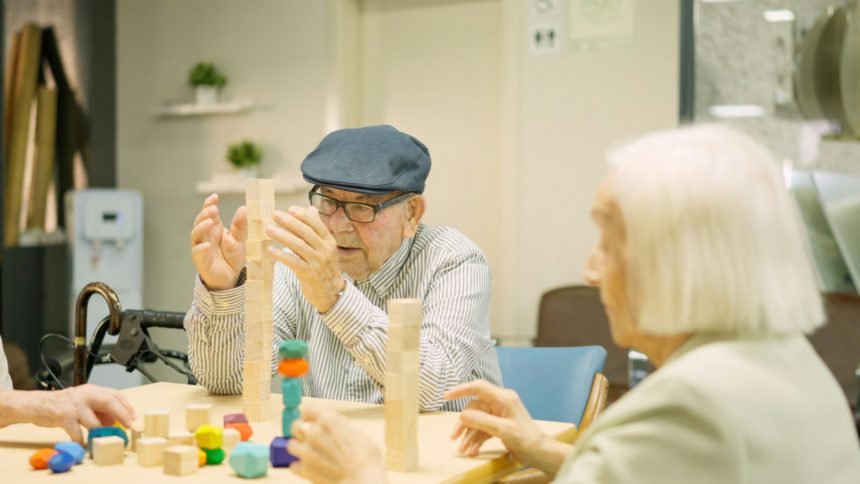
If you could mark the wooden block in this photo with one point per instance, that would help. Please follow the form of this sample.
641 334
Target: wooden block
406 362
256 390
260 189
136 434
401 384
257 250
255 352
156 423
258 312
197 414
403 338
257 229
261 209
254 368
232 436
260 270
255 291
108 451
256 411
181 438
150 451
405 311
250 460
181 460
401 460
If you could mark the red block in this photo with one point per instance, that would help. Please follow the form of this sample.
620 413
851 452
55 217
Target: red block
245 430
293 368
40 459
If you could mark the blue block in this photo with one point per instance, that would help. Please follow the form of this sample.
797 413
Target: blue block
278 453
291 391
61 462
293 348
104 432
289 415
74 449
250 460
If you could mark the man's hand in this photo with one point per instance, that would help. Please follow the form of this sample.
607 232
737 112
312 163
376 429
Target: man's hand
331 450
218 253
499 412
314 254
87 405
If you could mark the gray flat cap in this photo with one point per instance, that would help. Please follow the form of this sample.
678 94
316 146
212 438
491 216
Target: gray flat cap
373 160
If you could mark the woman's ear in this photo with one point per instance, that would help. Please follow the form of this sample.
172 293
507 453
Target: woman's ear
414 211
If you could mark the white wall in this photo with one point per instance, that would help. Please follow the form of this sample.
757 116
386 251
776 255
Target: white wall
552 117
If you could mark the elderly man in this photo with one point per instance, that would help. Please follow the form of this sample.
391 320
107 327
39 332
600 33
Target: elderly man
86 405
359 244
702 266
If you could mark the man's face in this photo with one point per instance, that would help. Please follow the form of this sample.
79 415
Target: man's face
607 266
363 248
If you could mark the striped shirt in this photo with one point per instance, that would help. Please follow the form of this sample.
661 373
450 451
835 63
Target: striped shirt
347 345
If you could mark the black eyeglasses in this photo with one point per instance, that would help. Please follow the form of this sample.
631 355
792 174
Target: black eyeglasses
355 211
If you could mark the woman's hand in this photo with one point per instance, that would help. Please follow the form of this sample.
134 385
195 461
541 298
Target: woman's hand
499 412
329 449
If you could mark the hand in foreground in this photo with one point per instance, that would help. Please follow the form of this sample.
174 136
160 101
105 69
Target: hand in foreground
87 405
499 412
218 253
331 450
314 257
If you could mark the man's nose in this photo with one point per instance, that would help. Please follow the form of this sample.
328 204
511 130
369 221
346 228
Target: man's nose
339 222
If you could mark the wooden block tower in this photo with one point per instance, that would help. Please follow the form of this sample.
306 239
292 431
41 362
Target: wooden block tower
401 385
260 203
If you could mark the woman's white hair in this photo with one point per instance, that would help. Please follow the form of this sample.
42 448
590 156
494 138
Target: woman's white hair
715 242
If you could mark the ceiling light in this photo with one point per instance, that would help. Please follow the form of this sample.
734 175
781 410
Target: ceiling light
778 15
736 111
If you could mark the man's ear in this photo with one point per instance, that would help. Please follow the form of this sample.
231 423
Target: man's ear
414 211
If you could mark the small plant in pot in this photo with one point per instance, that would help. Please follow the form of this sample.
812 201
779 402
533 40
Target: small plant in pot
245 156
206 80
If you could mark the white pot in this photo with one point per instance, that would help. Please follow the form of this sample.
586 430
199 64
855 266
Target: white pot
249 172
206 94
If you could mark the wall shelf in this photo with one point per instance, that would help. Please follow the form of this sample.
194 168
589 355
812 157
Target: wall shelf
232 184
194 109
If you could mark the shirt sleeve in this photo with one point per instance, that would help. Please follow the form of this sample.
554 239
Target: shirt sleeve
677 437
454 333
215 326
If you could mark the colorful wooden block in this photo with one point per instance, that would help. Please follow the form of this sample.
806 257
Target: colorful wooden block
201 458
209 437
278 453
197 414
244 429
250 460
235 418
97 432
181 460
293 348
180 438
291 392
61 462
293 368
288 416
156 423
150 451
108 451
74 449
231 436
214 456
41 459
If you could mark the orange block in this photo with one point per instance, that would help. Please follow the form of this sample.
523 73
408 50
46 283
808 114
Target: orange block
245 430
293 367
40 459
201 458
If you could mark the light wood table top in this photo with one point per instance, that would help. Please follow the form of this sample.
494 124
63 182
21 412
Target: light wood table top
438 457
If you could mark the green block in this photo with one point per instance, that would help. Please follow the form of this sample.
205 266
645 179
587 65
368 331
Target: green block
214 456
291 391
290 415
293 348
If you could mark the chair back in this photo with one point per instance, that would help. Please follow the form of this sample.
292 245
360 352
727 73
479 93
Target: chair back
553 383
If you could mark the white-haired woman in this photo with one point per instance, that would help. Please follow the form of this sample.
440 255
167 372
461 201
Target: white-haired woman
701 266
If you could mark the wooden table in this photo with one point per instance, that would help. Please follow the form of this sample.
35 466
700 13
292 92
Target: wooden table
438 458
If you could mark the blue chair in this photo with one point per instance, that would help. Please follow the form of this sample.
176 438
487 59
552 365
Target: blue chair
559 384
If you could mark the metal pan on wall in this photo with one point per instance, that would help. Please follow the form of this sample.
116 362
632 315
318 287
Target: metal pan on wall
849 72
804 69
828 64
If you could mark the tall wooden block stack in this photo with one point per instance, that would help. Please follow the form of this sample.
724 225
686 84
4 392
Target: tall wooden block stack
260 203
401 385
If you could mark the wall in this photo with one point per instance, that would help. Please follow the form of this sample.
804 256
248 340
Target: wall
552 118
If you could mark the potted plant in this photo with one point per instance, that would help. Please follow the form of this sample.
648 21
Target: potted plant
206 80
245 156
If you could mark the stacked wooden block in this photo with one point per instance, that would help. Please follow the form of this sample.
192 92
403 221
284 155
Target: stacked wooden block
293 367
401 384
260 203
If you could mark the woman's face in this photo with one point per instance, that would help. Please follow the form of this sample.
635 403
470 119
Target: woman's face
607 266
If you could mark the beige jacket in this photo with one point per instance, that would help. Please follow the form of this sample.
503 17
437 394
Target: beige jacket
725 410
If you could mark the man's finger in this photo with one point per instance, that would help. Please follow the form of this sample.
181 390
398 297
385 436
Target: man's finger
239 225
73 428
299 246
200 231
294 262
475 419
311 219
478 388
